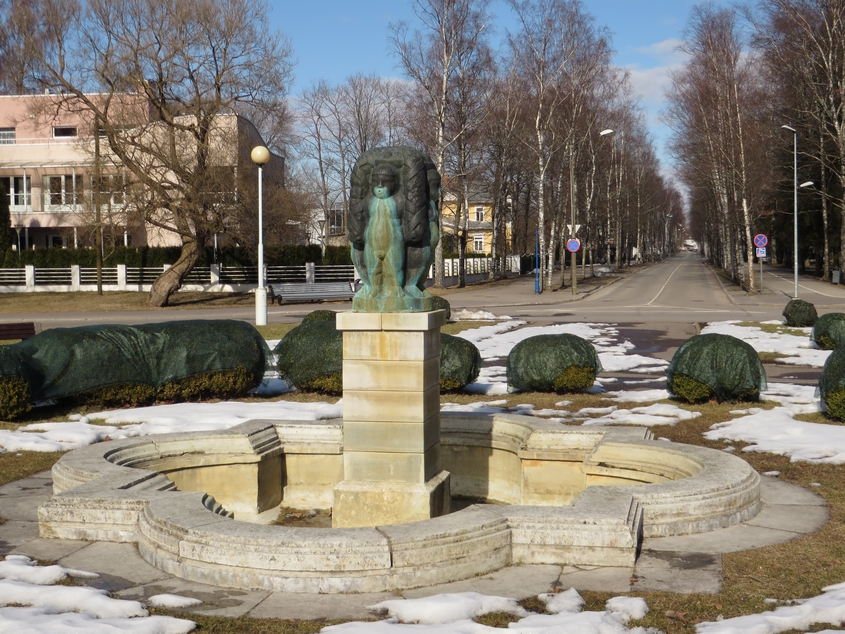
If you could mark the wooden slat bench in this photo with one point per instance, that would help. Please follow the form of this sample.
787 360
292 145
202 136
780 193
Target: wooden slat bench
19 330
310 292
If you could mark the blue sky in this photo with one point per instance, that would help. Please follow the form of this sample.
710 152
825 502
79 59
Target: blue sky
333 39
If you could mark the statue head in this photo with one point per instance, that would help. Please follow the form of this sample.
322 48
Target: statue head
384 181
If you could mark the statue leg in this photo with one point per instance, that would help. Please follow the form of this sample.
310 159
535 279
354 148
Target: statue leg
360 263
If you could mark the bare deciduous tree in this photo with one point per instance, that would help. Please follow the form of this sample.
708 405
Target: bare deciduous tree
167 74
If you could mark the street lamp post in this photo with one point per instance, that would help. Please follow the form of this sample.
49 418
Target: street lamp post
260 156
605 132
794 206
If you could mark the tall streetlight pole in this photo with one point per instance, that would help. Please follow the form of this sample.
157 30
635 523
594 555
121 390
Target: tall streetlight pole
603 133
794 206
260 156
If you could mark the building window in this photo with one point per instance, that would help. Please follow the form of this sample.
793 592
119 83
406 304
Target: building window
111 189
55 242
7 136
478 242
65 132
479 213
19 192
336 226
62 190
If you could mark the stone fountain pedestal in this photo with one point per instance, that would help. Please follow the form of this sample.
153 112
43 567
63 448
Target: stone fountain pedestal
391 420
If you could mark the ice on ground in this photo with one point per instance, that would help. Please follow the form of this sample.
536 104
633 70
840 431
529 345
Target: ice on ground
465 314
798 350
41 606
825 608
638 396
447 608
22 568
656 414
451 614
172 601
566 601
776 431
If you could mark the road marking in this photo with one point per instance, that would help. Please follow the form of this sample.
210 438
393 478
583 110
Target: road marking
806 288
664 285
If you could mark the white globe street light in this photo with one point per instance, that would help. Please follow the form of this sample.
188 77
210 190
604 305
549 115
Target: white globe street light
260 156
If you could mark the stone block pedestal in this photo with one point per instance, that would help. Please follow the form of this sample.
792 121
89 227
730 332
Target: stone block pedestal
391 420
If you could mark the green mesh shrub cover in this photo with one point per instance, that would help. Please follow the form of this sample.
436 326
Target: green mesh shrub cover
310 356
800 314
460 363
832 384
553 363
727 366
320 315
440 303
829 331
62 362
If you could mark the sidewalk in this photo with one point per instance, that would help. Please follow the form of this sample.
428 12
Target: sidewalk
779 288
675 564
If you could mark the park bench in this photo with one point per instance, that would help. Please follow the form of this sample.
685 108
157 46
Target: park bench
18 330
318 291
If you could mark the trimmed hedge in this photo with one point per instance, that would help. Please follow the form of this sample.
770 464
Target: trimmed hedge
716 366
460 363
133 365
832 385
310 357
829 331
441 303
563 363
800 314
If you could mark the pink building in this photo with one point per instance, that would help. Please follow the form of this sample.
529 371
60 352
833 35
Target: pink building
49 157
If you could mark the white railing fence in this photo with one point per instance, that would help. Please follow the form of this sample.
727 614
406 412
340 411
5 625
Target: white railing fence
214 278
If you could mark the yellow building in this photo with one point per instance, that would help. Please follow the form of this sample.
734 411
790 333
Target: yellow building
479 226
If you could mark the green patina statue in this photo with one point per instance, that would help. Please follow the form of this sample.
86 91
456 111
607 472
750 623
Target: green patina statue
393 229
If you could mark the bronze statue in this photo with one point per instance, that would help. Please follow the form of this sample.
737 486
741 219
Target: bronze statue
393 228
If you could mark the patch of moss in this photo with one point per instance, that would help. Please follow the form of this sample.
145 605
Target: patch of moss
209 385
575 379
690 389
825 342
15 397
835 401
324 384
117 395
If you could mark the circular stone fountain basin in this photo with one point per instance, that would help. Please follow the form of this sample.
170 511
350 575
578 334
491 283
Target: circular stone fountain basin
555 494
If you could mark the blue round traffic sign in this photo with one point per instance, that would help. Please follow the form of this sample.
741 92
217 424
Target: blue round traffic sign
573 244
760 240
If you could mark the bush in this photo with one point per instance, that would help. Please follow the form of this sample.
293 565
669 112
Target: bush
66 362
800 314
15 397
441 303
460 363
829 331
832 384
553 363
716 365
310 356
320 315
690 389
208 385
